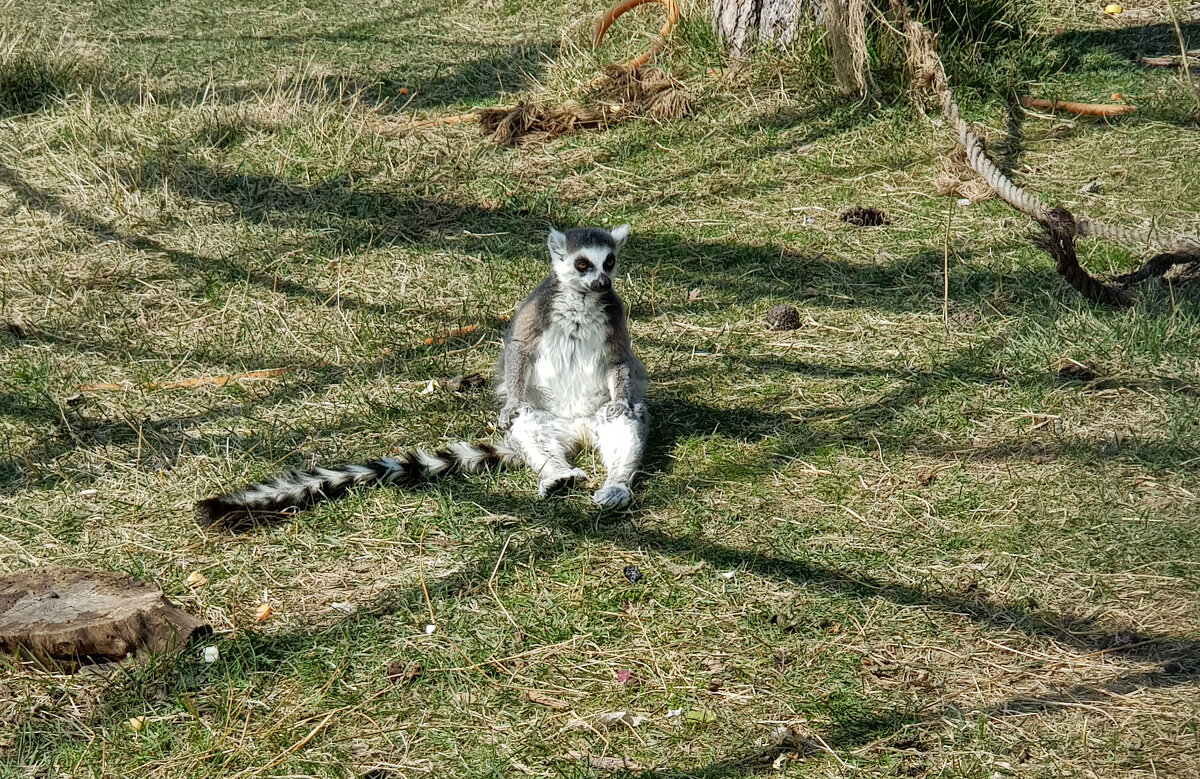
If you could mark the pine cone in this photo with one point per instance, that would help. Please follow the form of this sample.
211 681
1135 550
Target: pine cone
783 317
864 217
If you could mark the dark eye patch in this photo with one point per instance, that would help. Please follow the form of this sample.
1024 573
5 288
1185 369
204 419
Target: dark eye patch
582 265
610 261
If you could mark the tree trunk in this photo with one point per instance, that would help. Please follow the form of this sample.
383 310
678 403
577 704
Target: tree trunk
73 615
771 21
775 22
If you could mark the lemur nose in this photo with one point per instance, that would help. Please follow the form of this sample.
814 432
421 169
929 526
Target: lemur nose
603 284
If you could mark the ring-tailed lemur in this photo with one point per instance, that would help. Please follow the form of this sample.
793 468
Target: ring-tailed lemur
567 376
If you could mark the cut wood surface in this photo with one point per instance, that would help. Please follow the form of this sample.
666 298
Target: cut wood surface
72 614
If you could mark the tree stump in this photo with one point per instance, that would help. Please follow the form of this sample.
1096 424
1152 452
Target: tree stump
74 615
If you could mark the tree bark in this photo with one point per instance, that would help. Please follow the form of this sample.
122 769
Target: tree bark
775 22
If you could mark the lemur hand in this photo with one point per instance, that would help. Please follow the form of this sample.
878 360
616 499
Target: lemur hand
615 409
507 413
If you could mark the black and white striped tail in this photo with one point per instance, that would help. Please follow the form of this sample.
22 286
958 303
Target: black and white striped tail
299 489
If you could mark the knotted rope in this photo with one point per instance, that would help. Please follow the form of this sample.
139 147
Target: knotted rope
929 72
1060 225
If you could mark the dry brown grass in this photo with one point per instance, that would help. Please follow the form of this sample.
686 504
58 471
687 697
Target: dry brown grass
620 94
923 548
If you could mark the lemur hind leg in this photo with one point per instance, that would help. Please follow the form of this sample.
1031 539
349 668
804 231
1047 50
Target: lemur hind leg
621 440
546 443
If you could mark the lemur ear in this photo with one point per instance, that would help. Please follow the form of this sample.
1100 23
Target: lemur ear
556 242
619 234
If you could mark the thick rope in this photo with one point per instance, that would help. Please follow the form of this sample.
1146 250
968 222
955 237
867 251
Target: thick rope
1059 225
846 22
929 71
1159 264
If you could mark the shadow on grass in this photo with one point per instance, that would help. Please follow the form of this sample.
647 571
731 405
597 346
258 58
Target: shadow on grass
504 68
350 218
745 272
356 218
1177 657
230 269
1149 40
568 523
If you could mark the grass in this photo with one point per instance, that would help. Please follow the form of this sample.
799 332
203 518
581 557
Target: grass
922 545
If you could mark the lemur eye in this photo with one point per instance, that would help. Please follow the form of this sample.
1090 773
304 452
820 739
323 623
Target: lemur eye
582 265
610 261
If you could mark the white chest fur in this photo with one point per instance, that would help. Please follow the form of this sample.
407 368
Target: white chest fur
569 372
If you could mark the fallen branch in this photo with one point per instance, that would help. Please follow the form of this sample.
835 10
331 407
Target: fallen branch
1168 61
1089 109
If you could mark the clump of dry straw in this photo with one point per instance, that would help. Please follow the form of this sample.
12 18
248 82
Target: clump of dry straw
620 94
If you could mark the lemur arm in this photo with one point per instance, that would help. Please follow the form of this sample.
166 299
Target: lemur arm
516 369
518 355
621 364
620 383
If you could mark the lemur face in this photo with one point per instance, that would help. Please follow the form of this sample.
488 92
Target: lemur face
585 259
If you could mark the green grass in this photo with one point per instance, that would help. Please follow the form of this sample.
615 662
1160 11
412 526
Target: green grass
920 544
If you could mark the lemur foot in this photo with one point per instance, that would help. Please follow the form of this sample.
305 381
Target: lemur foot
560 481
613 496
